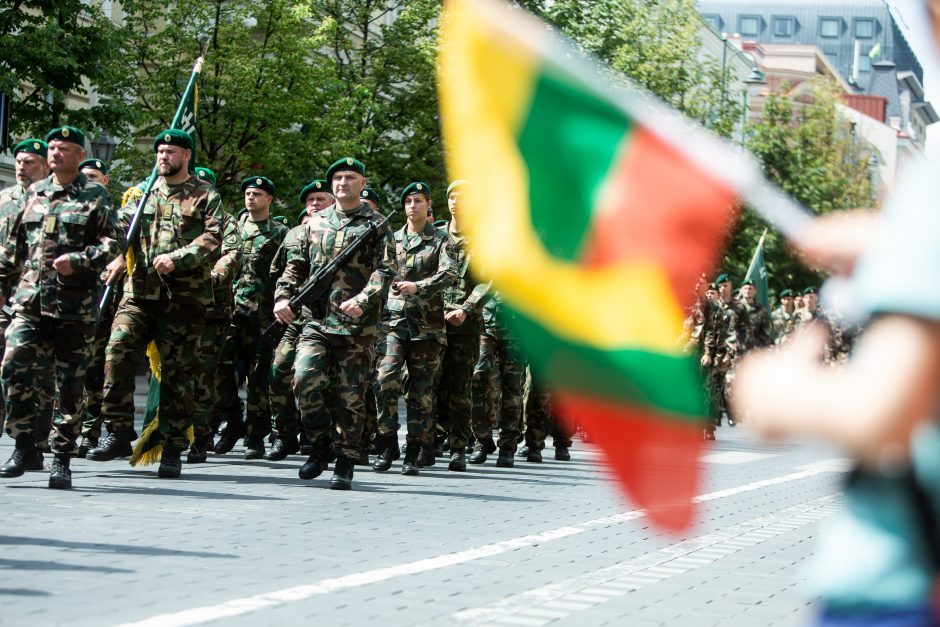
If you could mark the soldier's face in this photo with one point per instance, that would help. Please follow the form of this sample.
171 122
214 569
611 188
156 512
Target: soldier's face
787 302
453 201
747 291
711 295
798 302
724 289
257 199
30 168
97 176
810 300
64 157
347 185
318 201
417 206
171 160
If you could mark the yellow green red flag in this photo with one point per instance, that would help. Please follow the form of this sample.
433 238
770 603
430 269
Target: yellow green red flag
594 219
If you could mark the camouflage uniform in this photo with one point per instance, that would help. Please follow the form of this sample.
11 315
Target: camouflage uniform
783 324
416 333
497 384
185 222
463 345
757 323
332 344
54 314
734 336
218 317
253 312
717 343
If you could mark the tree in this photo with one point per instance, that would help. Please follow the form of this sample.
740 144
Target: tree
51 49
807 148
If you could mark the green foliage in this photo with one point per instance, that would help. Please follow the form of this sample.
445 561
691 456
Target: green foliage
810 151
50 49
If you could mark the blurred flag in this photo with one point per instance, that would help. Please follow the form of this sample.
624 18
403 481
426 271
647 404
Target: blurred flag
757 272
875 53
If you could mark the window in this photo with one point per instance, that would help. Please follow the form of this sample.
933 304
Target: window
784 26
864 28
713 20
830 26
749 26
864 63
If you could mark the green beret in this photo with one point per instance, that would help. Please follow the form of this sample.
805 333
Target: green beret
67 134
173 137
94 164
32 145
786 293
713 286
809 290
369 193
346 163
303 215
747 282
418 187
259 182
206 174
441 224
456 184
721 278
319 185
282 219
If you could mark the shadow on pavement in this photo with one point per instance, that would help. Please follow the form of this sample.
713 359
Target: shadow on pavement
99 547
201 494
40 565
23 592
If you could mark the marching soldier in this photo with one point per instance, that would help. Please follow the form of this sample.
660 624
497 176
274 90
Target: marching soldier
735 337
756 318
339 339
416 333
783 317
261 237
58 246
166 294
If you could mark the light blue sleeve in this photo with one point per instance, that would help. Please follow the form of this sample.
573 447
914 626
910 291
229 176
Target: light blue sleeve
901 271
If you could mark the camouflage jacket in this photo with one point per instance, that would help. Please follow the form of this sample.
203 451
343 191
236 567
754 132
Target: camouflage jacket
495 316
185 222
782 323
421 258
228 263
735 331
254 289
466 293
757 322
76 220
714 333
365 278
11 202
279 263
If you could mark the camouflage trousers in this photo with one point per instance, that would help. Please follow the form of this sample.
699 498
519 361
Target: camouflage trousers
205 381
175 329
496 391
245 345
35 349
94 378
453 388
423 358
717 384
343 361
540 421
284 420
372 413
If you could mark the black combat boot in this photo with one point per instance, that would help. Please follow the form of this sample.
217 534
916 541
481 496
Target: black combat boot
22 458
170 465
254 447
229 437
306 448
426 455
115 445
484 448
505 459
524 451
562 454
88 443
389 451
318 460
282 448
342 473
37 462
197 453
534 455
458 461
60 478
410 464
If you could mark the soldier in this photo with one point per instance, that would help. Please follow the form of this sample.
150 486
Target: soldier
416 334
254 290
808 311
756 318
284 421
59 244
96 170
166 294
733 336
339 338
372 199
496 388
783 317
227 263
30 167
708 338
463 304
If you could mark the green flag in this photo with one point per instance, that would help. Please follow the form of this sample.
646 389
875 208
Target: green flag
757 272
875 52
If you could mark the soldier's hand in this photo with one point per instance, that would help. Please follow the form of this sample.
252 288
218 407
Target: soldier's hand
351 309
408 288
63 265
706 361
283 312
115 270
455 317
163 264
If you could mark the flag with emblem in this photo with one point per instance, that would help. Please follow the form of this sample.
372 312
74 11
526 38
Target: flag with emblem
757 272
593 210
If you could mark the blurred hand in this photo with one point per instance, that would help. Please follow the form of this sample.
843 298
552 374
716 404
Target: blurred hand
835 241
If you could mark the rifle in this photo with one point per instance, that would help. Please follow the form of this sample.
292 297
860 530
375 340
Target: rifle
315 289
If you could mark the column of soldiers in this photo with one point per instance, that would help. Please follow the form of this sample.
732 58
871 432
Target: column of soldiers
197 286
723 325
